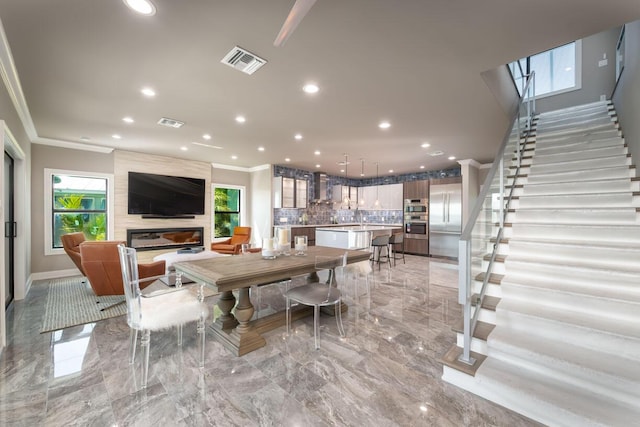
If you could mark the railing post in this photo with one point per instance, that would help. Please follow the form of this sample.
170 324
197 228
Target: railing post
464 297
502 188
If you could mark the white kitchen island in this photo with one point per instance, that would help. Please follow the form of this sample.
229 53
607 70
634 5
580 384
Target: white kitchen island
352 237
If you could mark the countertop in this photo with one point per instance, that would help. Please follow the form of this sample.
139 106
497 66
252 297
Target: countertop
353 224
359 228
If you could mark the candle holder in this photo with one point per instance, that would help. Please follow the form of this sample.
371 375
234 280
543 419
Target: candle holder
301 245
282 236
268 248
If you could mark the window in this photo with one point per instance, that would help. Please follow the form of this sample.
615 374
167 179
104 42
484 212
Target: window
76 201
557 70
228 207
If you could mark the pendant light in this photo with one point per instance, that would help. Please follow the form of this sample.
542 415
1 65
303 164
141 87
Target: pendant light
346 202
376 205
361 200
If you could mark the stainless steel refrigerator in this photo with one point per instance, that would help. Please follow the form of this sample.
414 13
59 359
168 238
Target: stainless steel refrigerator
445 219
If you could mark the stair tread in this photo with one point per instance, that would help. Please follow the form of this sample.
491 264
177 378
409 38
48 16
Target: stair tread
587 267
493 278
499 257
548 400
450 359
488 303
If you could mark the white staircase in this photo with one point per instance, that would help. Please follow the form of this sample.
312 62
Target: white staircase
565 349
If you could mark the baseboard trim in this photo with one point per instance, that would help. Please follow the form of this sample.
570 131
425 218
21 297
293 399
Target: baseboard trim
46 275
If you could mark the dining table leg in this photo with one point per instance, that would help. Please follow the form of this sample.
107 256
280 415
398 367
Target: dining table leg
227 320
242 338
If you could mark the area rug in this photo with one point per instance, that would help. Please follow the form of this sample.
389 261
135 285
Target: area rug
71 302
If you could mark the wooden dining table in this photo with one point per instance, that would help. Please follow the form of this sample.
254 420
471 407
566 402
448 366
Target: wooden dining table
236 331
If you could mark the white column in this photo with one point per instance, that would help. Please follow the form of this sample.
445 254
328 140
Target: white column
470 186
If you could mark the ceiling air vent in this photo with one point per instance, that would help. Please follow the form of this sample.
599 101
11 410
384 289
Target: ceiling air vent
436 153
170 123
243 60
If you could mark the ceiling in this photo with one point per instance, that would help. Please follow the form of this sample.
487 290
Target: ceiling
415 63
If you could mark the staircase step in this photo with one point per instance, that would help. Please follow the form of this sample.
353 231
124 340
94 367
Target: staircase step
588 254
577 232
488 302
571 165
585 153
576 175
548 399
584 368
483 329
579 143
450 359
584 186
493 278
576 215
617 199
499 257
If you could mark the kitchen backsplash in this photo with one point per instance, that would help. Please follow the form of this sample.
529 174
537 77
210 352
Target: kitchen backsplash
324 213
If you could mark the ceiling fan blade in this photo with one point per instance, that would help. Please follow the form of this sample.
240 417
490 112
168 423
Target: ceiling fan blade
298 11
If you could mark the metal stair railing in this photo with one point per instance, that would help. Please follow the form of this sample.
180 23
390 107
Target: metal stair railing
489 208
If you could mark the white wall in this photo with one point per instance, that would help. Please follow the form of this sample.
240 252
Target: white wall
261 204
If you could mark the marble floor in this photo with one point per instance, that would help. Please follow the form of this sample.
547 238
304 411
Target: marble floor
384 373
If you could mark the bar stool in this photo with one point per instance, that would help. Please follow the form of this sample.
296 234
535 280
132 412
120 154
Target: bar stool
395 241
377 244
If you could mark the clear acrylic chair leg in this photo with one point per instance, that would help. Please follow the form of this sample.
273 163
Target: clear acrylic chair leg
338 311
201 341
316 325
144 343
133 341
179 331
288 315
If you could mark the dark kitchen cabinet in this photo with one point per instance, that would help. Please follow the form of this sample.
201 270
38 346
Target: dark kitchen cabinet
416 189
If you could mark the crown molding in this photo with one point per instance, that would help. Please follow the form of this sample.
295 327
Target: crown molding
240 168
14 88
470 162
72 145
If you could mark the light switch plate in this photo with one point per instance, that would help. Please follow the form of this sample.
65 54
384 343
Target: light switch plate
603 62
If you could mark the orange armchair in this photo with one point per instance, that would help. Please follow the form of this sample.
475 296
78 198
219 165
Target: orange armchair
232 246
101 263
71 245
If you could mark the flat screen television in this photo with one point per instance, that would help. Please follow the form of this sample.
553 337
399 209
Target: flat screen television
165 196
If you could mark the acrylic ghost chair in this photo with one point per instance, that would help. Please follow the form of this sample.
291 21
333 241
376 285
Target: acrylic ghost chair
158 310
317 294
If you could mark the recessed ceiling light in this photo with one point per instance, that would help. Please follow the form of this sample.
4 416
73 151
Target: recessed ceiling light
421 166
234 157
298 136
260 148
317 166
317 153
287 159
452 157
184 148
127 119
341 170
384 125
148 92
311 88
240 119
425 145
206 136
116 136
390 170
142 7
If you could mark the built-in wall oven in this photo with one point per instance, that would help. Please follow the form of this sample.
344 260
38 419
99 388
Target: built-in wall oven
416 223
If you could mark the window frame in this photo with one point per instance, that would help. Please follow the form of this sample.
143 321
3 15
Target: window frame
48 205
242 212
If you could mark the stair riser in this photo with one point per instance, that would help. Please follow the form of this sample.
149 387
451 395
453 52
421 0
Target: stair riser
587 256
578 145
573 216
571 334
618 161
577 233
492 290
498 267
600 115
592 174
542 158
561 135
623 311
588 187
477 345
592 277
576 201
614 386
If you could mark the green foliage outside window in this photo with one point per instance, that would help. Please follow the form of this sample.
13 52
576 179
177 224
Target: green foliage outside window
226 211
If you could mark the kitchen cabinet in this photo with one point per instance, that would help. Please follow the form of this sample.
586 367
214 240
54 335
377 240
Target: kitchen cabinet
390 196
289 192
310 232
416 246
340 192
416 189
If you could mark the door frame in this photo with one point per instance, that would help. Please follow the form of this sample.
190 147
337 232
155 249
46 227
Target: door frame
21 196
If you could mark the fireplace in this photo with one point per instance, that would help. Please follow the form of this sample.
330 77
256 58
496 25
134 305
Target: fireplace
149 239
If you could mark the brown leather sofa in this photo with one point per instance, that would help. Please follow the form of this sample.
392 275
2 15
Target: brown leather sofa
71 245
101 263
232 245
